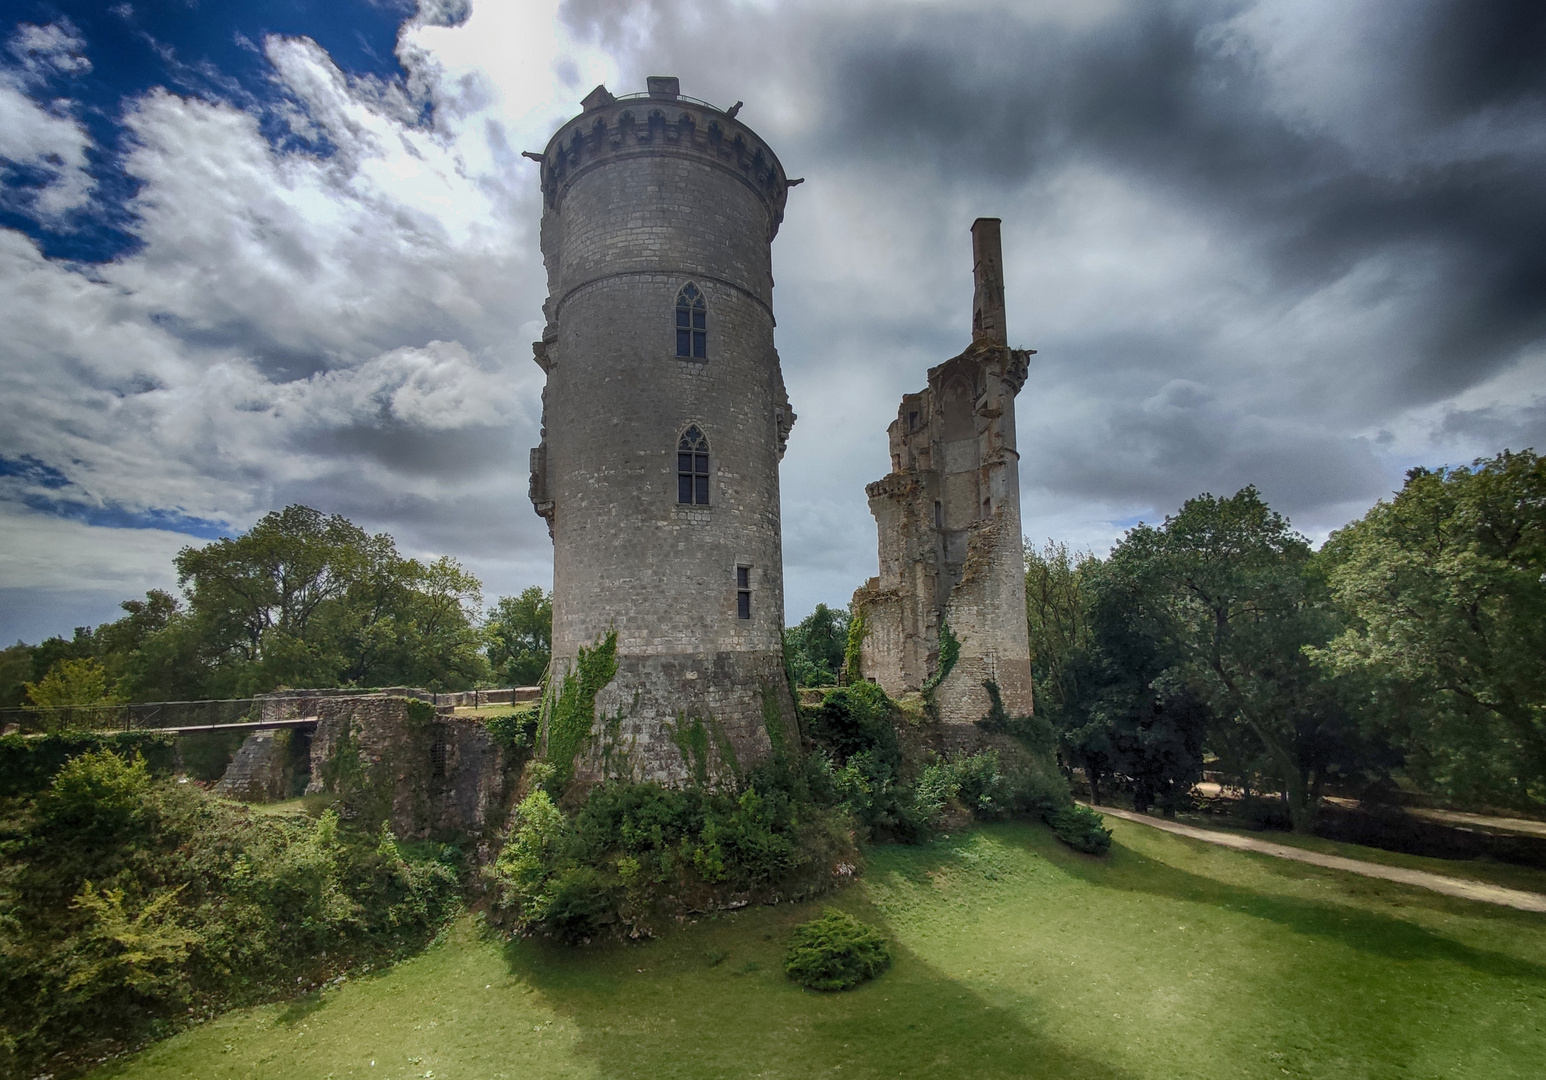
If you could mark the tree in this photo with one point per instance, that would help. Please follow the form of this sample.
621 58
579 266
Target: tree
814 648
1232 594
440 641
71 683
307 600
519 635
1445 586
1057 605
258 596
1122 712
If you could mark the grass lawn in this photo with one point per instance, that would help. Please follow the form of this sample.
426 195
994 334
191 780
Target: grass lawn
483 712
1016 957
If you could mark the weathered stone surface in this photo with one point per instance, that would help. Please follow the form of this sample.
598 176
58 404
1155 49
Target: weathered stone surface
427 774
644 196
262 770
948 519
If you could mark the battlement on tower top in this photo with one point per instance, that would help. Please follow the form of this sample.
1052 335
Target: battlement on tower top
662 121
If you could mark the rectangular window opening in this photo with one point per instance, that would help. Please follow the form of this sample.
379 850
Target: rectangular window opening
692 479
743 592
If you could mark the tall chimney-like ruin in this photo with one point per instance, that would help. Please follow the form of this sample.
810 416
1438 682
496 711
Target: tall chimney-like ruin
988 279
946 614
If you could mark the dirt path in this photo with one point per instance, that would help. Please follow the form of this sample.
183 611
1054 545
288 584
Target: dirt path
1461 887
1527 826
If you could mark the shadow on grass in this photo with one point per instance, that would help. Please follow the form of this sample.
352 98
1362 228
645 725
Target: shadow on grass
713 1001
1353 927
300 1008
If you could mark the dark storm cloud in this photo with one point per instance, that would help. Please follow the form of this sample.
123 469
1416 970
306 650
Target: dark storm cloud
1168 96
1516 429
452 454
1477 53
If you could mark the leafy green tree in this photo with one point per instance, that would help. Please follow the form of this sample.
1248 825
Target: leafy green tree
519 634
307 600
1124 713
260 598
1057 602
441 643
815 647
69 683
1229 590
15 670
1446 588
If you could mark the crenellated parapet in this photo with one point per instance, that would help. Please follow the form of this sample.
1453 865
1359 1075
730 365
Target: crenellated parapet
662 122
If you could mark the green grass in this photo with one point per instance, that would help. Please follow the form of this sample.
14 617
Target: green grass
485 711
1015 957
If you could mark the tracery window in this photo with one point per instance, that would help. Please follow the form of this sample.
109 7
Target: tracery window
692 468
692 323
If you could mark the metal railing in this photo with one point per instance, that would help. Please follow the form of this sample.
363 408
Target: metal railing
145 716
646 95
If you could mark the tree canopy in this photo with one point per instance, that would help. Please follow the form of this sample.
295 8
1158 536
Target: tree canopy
300 599
1445 591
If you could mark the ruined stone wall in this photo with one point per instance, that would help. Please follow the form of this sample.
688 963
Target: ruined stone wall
428 775
948 520
642 197
264 769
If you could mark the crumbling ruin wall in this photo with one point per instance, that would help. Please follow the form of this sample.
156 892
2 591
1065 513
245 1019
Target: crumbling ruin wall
264 769
948 521
427 774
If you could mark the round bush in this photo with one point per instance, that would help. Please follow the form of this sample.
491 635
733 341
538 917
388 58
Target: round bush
1081 829
836 952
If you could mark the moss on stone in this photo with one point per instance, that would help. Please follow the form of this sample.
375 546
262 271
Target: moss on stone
573 714
692 739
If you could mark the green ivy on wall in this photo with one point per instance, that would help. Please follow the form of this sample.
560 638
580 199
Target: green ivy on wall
574 708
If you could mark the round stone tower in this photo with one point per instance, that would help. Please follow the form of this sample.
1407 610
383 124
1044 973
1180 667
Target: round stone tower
664 421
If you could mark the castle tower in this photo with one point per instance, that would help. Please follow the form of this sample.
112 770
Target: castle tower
664 421
948 518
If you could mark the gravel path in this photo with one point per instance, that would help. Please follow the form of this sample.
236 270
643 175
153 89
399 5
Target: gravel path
1461 887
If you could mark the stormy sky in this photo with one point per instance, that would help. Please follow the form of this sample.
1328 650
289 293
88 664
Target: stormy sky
257 252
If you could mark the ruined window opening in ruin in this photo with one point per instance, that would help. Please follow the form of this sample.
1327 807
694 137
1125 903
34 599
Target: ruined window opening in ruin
743 592
437 755
912 421
939 514
987 507
692 468
692 323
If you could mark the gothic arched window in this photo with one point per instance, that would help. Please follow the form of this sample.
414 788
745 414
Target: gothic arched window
692 468
692 323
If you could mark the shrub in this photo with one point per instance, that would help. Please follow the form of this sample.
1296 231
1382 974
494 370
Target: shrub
29 763
514 731
131 903
836 952
1081 829
96 794
855 720
634 851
